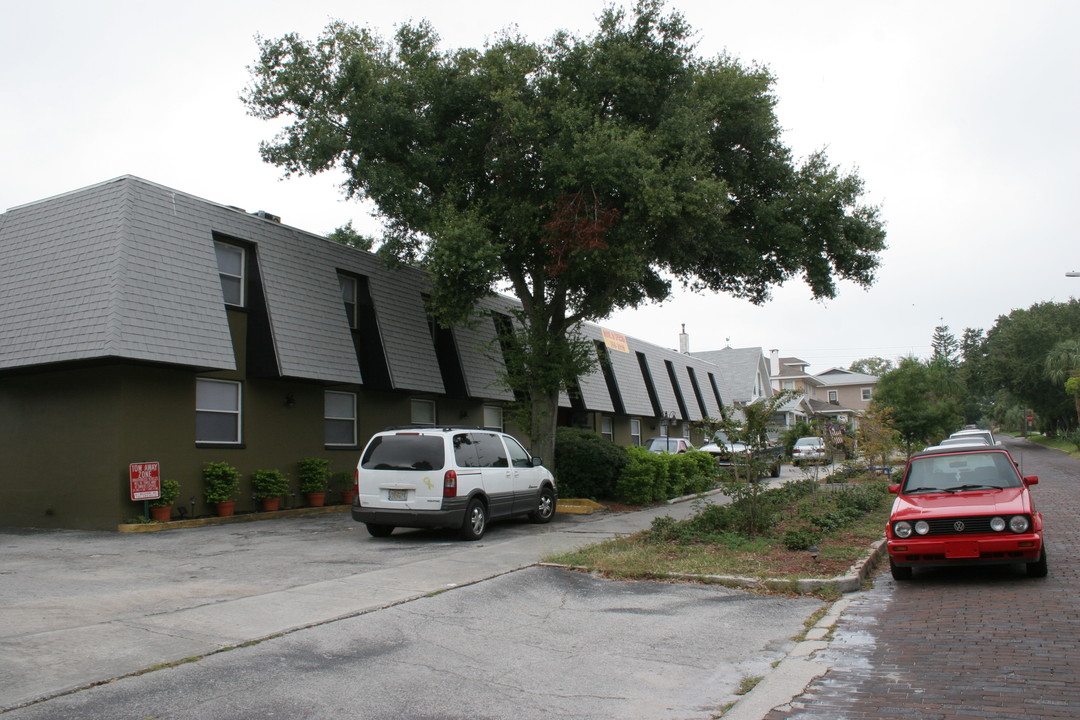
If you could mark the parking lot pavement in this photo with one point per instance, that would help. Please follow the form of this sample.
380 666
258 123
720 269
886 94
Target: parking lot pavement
84 607
964 642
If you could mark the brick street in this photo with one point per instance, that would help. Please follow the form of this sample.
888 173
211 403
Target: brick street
966 642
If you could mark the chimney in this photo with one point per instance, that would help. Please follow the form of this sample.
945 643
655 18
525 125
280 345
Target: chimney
684 341
774 362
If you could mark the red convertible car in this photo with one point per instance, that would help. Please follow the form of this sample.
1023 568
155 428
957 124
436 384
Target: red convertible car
964 505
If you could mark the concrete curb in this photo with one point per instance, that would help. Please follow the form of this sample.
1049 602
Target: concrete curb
153 526
790 678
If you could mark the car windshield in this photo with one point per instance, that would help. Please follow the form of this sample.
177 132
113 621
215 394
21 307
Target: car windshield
959 472
807 442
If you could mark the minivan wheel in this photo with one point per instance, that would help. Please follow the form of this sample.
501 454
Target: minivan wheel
472 528
376 530
545 506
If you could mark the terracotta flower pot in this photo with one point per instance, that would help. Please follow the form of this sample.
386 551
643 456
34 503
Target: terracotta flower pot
161 514
226 508
347 497
316 499
271 504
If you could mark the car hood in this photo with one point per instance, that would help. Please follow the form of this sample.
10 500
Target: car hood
1007 501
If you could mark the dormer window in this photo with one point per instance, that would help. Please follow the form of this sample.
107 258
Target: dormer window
348 296
230 262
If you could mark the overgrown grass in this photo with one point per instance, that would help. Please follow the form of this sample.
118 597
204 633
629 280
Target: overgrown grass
802 530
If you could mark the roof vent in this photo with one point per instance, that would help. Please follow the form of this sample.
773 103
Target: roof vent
267 216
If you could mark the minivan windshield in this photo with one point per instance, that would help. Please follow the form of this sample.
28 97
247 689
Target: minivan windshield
406 451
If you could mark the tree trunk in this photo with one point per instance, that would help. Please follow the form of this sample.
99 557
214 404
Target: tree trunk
543 418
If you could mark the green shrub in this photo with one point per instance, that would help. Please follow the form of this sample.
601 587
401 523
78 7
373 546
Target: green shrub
586 464
644 478
221 481
170 490
799 539
269 484
313 475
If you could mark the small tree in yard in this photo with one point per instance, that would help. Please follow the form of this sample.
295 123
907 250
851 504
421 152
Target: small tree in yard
878 439
582 175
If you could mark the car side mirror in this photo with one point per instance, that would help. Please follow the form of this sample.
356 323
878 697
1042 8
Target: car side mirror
537 462
1031 480
894 489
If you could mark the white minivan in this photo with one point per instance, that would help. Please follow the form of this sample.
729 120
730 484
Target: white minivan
449 477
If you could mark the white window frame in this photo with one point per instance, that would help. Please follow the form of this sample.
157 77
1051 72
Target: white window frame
237 412
493 417
607 427
867 394
419 410
328 418
834 396
635 433
220 247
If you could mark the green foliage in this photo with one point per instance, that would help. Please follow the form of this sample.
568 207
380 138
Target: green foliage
221 481
654 477
269 484
342 480
1014 357
563 171
170 490
586 464
800 539
347 235
1073 436
313 475
921 404
876 366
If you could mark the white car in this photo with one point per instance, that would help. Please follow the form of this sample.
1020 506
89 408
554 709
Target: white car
808 450
449 477
969 434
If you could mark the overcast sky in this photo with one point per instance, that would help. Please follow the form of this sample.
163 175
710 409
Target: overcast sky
962 117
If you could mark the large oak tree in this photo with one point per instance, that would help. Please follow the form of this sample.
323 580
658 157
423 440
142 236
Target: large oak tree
582 175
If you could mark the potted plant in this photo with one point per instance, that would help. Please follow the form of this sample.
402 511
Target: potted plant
269 486
161 509
221 481
314 477
346 484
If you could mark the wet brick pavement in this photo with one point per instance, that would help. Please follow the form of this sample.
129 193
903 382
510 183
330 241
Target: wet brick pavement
967 642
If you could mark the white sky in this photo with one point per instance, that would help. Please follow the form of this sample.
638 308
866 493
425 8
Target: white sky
960 115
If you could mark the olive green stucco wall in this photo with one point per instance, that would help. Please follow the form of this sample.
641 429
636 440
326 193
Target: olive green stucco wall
67 437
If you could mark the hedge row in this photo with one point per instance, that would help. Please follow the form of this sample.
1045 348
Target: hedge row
589 466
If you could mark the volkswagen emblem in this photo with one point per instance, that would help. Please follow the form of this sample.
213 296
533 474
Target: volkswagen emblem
958 526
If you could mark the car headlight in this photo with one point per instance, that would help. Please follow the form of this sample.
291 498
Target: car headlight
922 527
997 524
902 529
1019 523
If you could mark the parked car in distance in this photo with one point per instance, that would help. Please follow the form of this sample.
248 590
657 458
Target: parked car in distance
976 433
808 450
964 505
671 445
964 440
425 477
728 452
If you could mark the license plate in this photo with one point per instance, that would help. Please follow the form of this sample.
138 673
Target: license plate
962 549
398 494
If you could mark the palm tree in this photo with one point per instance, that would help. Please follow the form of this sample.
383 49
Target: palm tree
1063 365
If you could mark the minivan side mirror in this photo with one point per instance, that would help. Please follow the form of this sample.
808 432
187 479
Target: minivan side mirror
537 462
